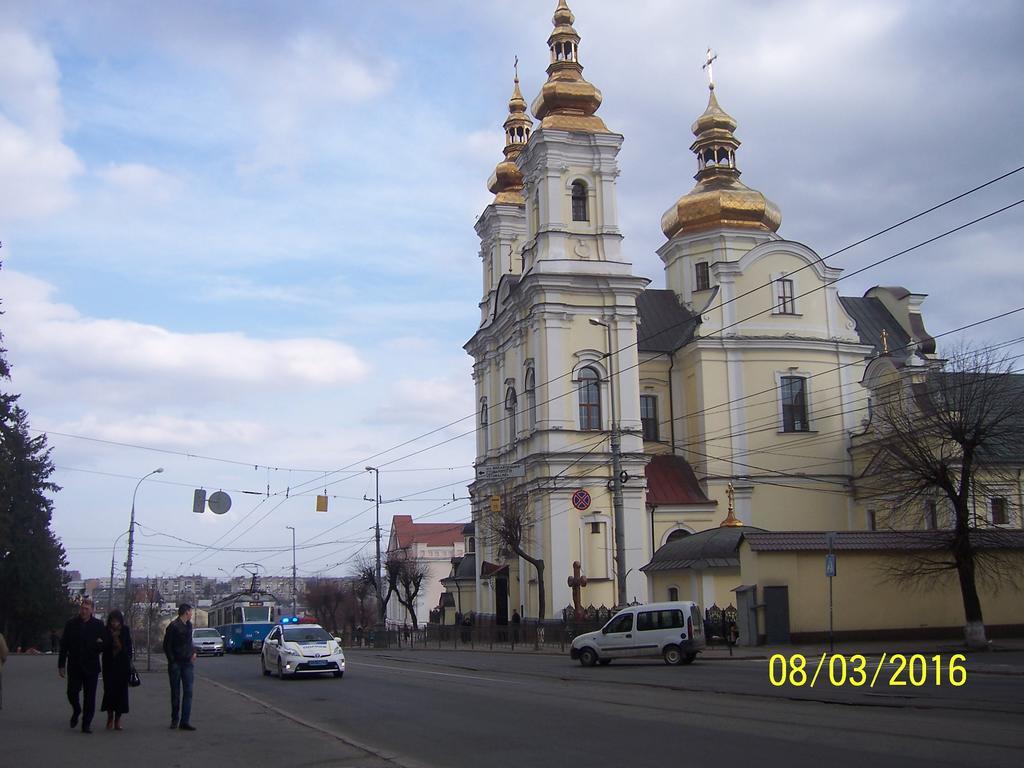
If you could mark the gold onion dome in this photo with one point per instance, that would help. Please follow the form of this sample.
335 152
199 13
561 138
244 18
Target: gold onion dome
507 181
566 101
719 199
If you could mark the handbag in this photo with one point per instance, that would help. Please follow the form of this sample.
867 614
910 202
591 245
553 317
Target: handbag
134 681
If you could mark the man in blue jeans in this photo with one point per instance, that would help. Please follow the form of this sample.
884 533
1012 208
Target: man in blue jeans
180 657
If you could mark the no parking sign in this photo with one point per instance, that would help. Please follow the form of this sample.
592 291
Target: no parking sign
581 499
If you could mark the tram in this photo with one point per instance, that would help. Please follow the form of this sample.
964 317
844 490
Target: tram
244 619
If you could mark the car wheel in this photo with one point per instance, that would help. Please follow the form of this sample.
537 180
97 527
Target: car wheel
263 667
280 670
672 655
604 662
688 658
588 657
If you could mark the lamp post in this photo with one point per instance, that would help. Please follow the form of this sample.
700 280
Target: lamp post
292 529
380 597
131 545
616 446
110 585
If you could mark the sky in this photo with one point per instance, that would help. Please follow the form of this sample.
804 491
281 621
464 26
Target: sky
237 238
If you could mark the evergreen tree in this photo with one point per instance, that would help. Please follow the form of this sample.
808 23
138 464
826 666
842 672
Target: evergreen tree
33 582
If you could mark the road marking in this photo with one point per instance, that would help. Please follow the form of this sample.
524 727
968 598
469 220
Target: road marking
440 674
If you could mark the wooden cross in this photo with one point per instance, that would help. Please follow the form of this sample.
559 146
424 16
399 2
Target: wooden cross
577 581
711 56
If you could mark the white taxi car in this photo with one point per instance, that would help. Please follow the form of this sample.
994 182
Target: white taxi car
301 649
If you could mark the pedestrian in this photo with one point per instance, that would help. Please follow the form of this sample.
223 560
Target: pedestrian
3 660
516 619
117 669
180 658
54 641
81 646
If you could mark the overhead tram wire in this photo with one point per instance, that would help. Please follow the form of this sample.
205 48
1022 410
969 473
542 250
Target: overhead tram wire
824 286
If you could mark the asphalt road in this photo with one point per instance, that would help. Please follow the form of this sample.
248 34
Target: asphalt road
444 708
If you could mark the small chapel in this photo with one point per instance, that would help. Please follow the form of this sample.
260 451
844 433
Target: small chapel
698 432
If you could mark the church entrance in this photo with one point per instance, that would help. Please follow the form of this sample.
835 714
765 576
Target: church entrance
501 600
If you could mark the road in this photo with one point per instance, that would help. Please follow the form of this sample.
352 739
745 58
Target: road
445 708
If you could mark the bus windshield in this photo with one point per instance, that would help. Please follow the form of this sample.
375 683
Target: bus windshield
253 614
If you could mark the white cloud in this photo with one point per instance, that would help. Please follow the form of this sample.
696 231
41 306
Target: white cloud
141 180
36 167
53 339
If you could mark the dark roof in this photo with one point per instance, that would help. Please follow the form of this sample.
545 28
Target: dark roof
447 600
871 317
466 569
665 324
713 548
469 529
869 541
671 481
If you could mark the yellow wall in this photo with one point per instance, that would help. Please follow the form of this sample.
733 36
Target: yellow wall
863 598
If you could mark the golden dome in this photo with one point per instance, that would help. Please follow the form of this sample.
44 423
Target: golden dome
719 199
566 101
507 181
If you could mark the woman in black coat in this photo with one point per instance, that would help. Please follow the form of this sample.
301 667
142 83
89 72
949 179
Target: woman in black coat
117 668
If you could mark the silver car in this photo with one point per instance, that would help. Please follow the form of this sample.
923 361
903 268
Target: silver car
207 642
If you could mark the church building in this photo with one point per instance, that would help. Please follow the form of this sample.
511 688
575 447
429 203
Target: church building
733 391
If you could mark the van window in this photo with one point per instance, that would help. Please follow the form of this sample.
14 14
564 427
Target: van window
621 623
648 620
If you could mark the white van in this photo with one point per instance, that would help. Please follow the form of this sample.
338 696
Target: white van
673 631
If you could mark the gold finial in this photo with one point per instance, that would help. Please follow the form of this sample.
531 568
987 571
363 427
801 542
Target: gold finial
730 519
885 342
507 181
710 57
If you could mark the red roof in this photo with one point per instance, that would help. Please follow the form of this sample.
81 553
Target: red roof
407 532
671 481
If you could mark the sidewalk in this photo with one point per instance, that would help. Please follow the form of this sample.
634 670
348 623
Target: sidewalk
232 730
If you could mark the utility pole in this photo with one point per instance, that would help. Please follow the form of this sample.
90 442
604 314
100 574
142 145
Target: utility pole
292 529
616 447
380 594
128 602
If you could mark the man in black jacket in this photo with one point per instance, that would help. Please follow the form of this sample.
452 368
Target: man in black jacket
80 649
180 656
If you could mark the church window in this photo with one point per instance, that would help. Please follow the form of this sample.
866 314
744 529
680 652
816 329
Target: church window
703 275
998 506
649 416
483 423
531 398
579 202
673 594
511 404
794 404
931 515
872 520
785 301
590 399
595 528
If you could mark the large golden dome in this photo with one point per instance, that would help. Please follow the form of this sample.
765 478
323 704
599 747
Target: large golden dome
719 199
566 101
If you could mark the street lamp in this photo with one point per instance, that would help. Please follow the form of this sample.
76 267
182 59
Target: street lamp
292 529
131 545
110 585
616 445
380 597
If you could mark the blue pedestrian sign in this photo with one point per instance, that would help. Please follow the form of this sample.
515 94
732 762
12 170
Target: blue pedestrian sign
830 565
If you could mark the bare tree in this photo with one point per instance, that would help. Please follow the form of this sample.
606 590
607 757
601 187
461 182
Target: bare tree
508 531
326 599
365 572
948 433
410 574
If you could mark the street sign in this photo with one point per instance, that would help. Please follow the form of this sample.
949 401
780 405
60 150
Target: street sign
495 504
219 502
199 501
830 565
321 503
500 471
581 499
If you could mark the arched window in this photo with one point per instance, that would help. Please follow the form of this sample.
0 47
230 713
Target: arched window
579 202
511 405
673 594
483 423
590 399
531 398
